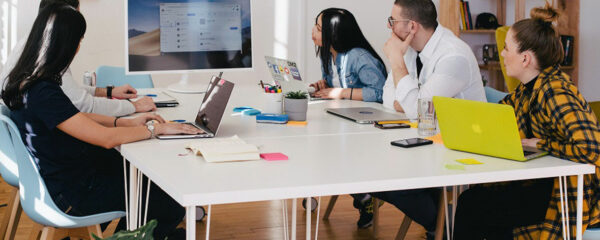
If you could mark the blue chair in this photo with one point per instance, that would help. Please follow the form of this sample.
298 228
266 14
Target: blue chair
9 172
35 198
107 75
493 95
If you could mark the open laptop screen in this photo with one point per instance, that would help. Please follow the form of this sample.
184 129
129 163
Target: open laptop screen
214 104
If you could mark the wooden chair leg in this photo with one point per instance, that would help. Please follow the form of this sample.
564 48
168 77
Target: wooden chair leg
375 217
439 227
110 230
36 231
332 201
403 228
16 217
95 230
8 218
48 233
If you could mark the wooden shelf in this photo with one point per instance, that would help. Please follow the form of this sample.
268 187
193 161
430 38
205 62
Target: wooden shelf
478 31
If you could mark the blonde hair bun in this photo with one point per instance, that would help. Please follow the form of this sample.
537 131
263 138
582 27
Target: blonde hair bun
546 13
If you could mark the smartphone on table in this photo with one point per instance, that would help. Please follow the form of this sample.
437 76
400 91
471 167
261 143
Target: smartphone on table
391 125
411 142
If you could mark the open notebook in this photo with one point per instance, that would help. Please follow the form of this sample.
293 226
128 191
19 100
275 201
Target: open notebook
224 149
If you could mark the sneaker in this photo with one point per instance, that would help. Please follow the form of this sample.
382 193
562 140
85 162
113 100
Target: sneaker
365 208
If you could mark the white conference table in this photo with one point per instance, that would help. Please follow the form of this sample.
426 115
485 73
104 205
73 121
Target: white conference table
330 156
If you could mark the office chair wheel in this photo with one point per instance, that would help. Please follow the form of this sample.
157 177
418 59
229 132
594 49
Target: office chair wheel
313 204
200 213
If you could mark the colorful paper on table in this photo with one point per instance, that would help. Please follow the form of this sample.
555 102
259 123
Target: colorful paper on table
469 161
297 123
454 167
437 139
273 156
413 124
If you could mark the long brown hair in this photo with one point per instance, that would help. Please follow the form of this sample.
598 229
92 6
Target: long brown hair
539 35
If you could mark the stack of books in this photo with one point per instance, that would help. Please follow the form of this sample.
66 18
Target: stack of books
466 22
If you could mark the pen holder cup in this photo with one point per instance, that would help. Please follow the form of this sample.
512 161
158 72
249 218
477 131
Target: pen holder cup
273 103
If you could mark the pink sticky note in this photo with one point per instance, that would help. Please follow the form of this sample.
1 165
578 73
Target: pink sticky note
273 156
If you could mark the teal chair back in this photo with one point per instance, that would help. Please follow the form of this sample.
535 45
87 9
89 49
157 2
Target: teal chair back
493 95
8 160
34 196
107 75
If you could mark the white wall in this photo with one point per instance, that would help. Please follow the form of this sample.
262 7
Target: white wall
589 52
276 25
371 17
282 28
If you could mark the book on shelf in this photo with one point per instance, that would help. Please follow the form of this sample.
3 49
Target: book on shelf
224 149
463 25
465 16
568 45
468 15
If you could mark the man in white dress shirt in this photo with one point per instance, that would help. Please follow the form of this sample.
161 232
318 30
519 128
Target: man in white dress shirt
85 98
426 60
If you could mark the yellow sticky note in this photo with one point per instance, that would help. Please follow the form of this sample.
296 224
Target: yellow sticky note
436 139
297 123
469 161
413 124
454 167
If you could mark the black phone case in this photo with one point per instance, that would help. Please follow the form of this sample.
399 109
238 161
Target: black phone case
395 127
411 145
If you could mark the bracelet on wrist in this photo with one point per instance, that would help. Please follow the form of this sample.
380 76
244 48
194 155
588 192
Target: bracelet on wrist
115 123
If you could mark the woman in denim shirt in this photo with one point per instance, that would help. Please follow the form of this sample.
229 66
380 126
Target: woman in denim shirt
351 68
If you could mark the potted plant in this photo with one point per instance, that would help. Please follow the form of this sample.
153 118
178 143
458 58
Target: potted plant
296 105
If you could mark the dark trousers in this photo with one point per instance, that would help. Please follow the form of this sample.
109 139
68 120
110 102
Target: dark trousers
492 212
418 204
105 192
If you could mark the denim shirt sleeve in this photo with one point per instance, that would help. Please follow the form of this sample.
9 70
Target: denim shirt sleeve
369 72
327 76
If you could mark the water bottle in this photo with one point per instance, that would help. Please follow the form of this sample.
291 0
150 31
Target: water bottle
87 78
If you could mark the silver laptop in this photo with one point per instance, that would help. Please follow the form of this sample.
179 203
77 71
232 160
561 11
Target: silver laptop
286 74
211 110
366 114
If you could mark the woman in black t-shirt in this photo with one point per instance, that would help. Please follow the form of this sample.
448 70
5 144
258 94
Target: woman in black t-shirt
74 150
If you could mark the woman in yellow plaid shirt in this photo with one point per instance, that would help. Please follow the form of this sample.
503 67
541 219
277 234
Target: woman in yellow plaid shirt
553 116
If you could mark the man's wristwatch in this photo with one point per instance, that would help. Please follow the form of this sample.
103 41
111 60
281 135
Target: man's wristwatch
150 127
109 89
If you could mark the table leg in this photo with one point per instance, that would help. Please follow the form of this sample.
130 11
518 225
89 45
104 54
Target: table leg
294 206
448 233
133 197
190 222
127 212
579 207
308 217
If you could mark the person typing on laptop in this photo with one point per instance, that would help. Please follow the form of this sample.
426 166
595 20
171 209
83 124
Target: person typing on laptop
553 116
426 60
351 68
85 98
74 150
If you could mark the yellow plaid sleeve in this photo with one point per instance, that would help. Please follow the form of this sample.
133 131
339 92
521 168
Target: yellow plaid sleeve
576 125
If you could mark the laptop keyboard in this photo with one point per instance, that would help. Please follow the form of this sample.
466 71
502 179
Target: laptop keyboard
527 153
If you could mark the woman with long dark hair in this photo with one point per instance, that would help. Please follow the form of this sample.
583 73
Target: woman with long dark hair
74 150
351 68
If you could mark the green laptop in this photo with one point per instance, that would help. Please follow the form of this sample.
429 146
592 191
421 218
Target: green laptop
482 128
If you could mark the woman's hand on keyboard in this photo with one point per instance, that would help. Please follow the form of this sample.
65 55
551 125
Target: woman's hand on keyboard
176 128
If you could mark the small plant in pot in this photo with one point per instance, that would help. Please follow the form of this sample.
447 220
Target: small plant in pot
296 105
